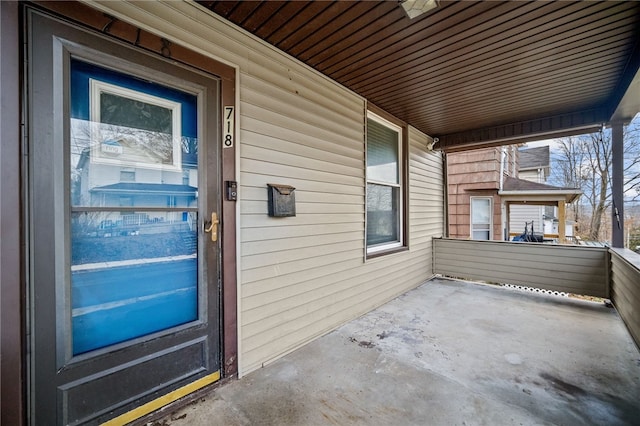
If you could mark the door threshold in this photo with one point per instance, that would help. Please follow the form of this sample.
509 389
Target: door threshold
160 402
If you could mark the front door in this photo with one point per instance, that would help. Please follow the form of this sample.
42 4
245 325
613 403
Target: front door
124 293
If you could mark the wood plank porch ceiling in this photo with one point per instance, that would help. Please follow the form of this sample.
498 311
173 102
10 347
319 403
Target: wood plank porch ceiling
471 73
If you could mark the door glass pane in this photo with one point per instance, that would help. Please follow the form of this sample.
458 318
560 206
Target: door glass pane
382 153
382 214
134 206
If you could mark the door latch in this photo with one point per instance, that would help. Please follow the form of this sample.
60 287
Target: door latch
213 226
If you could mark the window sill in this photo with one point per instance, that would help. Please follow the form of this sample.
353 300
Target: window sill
385 252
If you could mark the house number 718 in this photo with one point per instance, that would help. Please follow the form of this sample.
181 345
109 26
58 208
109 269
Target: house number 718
227 135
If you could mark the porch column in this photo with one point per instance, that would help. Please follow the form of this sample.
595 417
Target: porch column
562 222
617 182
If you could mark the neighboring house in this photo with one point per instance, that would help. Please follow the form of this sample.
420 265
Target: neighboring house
534 165
473 183
493 192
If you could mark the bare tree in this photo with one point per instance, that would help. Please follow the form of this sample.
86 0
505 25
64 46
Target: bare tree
584 162
567 170
632 161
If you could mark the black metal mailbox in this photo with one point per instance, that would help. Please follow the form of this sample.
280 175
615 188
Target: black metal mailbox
282 200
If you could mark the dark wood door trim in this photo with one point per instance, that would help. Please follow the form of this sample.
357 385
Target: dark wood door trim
12 383
96 20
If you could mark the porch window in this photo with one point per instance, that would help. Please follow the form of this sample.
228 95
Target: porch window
385 223
481 214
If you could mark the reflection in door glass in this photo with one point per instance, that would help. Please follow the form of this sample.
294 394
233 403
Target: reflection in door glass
130 277
134 200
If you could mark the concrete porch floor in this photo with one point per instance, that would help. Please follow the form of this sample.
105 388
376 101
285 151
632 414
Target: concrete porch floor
447 353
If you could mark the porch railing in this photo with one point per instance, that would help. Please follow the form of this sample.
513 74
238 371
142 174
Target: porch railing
593 271
562 268
625 288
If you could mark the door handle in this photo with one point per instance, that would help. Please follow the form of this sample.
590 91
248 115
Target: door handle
213 227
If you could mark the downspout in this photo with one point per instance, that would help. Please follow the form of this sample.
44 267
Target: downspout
503 154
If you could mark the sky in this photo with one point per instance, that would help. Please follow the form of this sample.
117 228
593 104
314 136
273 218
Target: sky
553 144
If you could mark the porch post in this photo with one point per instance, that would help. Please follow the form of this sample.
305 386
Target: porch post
562 221
12 410
617 182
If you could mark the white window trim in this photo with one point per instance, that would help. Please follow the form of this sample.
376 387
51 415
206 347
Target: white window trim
400 243
490 216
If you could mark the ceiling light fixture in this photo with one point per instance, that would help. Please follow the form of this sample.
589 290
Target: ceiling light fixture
415 8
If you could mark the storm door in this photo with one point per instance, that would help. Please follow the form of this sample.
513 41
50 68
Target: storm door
124 283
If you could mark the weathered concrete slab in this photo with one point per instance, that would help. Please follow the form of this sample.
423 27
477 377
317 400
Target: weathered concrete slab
446 353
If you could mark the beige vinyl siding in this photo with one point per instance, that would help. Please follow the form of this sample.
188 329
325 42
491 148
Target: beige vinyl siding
571 269
426 193
307 284
300 277
519 214
625 288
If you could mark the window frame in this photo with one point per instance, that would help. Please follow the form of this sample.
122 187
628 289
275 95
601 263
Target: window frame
471 223
128 172
396 125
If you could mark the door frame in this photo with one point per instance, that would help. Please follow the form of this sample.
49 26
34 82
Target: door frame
85 17
12 279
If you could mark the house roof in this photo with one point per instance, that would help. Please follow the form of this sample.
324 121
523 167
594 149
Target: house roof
189 159
470 73
147 188
534 158
523 190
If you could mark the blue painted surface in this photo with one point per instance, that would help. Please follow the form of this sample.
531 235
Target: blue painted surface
121 303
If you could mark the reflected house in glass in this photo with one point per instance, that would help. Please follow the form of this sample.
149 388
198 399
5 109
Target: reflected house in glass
101 184
133 144
131 127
